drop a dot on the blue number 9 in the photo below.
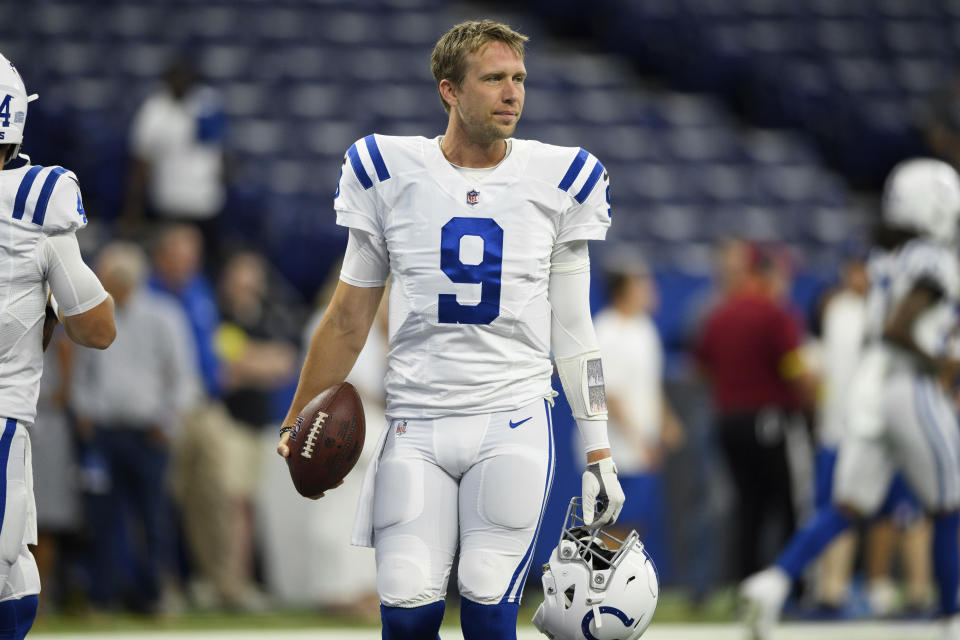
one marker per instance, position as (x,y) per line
(486,273)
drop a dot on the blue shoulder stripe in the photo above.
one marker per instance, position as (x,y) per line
(40,211)
(575,167)
(358,167)
(20,202)
(382,173)
(590,183)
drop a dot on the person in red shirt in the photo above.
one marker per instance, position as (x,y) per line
(748,349)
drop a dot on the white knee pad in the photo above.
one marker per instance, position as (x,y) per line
(484,574)
(403,572)
(862,475)
(398,497)
(15,509)
(512,491)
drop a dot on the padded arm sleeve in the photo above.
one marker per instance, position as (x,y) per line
(574,344)
(366,262)
(75,286)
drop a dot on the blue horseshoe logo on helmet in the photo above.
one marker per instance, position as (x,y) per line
(621,616)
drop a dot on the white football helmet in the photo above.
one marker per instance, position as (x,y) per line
(923,195)
(13,106)
(596,587)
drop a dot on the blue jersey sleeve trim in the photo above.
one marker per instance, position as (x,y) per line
(590,183)
(20,203)
(358,169)
(381,166)
(40,211)
(575,167)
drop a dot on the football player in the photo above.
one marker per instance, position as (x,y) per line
(899,414)
(484,237)
(40,212)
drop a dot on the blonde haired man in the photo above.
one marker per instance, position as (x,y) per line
(485,240)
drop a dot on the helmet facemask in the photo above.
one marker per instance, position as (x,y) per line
(596,586)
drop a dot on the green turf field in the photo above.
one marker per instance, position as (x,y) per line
(674,620)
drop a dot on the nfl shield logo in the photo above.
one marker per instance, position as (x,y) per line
(473,196)
(401,427)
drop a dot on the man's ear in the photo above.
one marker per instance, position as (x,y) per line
(448,91)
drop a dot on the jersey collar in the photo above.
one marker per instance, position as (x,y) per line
(458,186)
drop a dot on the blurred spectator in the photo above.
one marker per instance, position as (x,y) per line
(177,261)
(749,349)
(201,469)
(256,348)
(177,167)
(731,265)
(55,488)
(128,400)
(643,425)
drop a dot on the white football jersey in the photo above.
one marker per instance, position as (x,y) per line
(469,265)
(34,202)
(893,275)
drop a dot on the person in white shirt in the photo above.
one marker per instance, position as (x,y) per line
(643,425)
(177,170)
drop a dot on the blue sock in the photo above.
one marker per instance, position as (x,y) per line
(807,543)
(488,621)
(17,616)
(946,560)
(415,623)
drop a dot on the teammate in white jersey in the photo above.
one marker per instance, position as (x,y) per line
(40,212)
(899,414)
(485,240)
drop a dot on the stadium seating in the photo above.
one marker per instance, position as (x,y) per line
(302,81)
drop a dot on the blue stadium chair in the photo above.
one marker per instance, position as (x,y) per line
(224,62)
(261,136)
(315,100)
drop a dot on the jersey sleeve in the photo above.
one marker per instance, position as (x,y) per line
(64,211)
(72,282)
(588,183)
(49,198)
(366,262)
(929,266)
(356,201)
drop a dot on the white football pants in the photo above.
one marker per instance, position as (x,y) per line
(18,522)
(478,481)
(918,435)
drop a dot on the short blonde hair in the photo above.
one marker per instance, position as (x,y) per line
(126,261)
(449,58)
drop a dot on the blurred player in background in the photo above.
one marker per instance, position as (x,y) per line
(899,415)
(843,324)
(485,239)
(40,213)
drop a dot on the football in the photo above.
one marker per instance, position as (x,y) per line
(326,440)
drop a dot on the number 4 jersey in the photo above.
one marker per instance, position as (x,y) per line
(469,262)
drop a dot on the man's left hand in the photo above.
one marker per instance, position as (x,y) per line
(602,496)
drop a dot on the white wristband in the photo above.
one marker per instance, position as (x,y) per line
(56,307)
(594,434)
